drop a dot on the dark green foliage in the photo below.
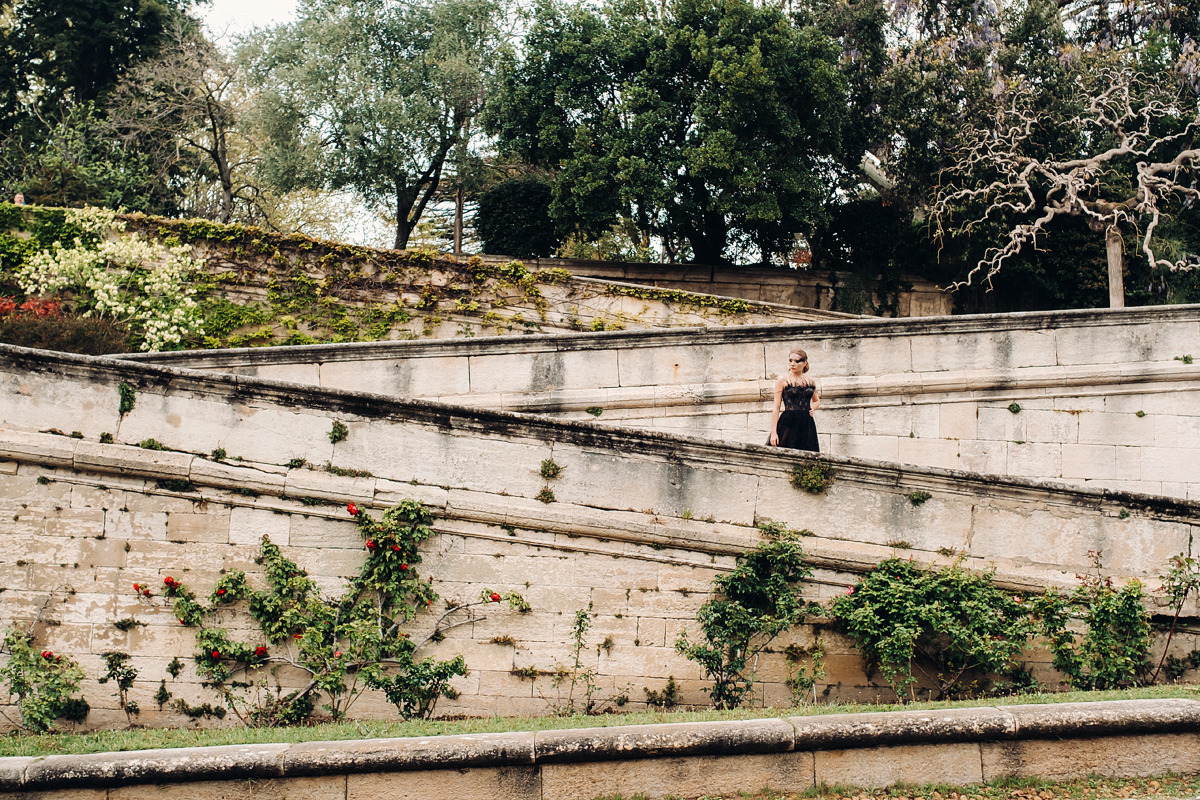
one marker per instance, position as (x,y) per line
(667,698)
(416,686)
(513,219)
(45,684)
(756,602)
(713,125)
(1113,648)
(177,485)
(151,444)
(345,644)
(338,431)
(119,671)
(128,398)
(813,477)
(955,628)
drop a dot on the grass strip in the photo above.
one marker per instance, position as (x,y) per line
(23,744)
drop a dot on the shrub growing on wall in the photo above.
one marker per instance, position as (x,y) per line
(1113,648)
(46,685)
(954,627)
(755,603)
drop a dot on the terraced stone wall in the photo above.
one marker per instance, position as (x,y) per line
(638,525)
(1109,398)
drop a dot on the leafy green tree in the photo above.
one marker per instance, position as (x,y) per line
(714,126)
(513,219)
(373,96)
(68,52)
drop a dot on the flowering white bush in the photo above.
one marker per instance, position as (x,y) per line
(128,279)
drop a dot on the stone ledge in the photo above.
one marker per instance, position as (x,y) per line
(810,331)
(841,733)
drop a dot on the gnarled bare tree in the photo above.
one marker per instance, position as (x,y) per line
(1133,159)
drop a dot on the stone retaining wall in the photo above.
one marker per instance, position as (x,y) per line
(1058,742)
(796,287)
(639,525)
(1104,398)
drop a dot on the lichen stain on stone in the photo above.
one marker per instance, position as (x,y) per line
(174,420)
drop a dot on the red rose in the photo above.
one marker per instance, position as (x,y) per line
(260,652)
(495,598)
(297,636)
(404,566)
(849,590)
(337,653)
(396,548)
(216,654)
(370,544)
(353,509)
(169,581)
(137,588)
(46,654)
(220,592)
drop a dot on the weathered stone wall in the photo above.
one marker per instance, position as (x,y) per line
(795,287)
(640,523)
(1103,398)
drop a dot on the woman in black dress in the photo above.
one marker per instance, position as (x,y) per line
(796,398)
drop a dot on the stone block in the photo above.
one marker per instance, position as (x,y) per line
(929,452)
(986,457)
(211,528)
(891,420)
(324,533)
(542,371)
(75,522)
(237,476)
(881,448)
(1110,756)
(880,767)
(832,420)
(1098,462)
(1000,424)
(1050,426)
(1115,429)
(697,363)
(1032,460)
(1179,464)
(959,421)
(479,783)
(247,526)
(405,377)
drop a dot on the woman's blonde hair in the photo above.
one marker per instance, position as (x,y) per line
(798,352)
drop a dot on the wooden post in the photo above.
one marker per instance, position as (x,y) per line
(1116,278)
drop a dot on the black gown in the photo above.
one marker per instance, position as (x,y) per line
(796,428)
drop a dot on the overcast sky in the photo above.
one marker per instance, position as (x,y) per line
(238,16)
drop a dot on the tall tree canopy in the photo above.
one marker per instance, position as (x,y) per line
(715,125)
(373,96)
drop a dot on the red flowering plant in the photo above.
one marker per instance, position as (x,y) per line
(45,684)
(346,645)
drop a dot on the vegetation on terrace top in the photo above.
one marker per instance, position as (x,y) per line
(249,287)
(813,134)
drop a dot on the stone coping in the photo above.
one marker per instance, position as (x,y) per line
(670,740)
(860,328)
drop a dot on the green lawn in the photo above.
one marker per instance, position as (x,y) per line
(143,739)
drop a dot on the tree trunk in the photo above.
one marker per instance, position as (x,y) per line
(458,220)
(1116,278)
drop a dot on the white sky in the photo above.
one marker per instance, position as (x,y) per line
(238,16)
